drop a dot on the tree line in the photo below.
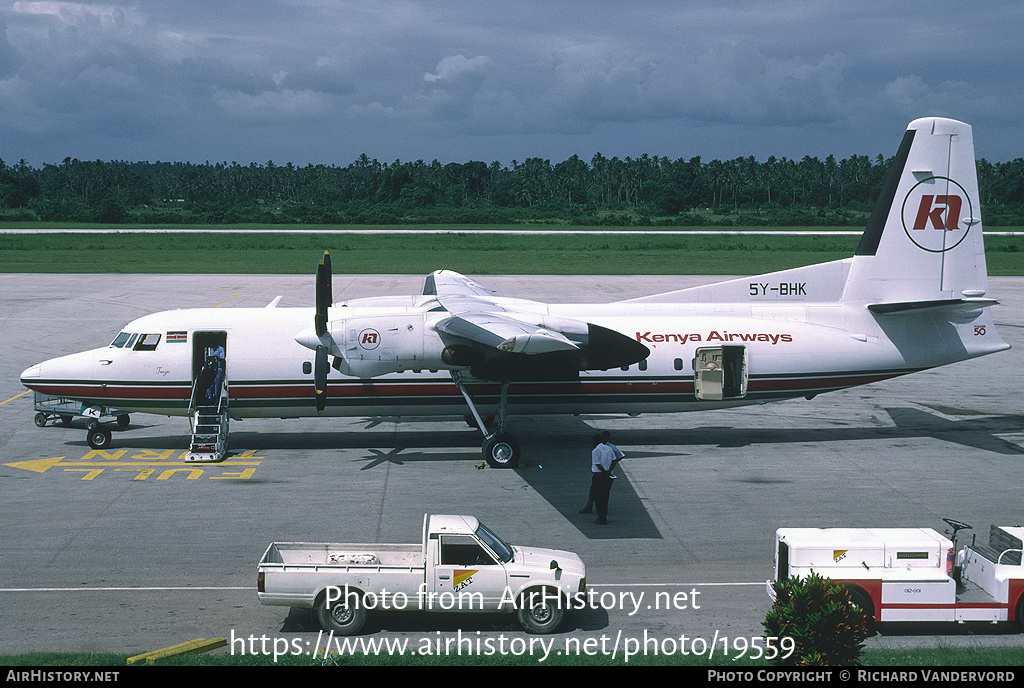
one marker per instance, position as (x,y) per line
(646,190)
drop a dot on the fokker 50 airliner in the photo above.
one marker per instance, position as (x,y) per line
(913,297)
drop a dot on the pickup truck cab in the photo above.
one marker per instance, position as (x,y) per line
(459,566)
(912,574)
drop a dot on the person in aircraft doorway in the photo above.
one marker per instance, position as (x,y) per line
(212,375)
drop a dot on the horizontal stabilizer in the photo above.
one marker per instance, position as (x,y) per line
(967,304)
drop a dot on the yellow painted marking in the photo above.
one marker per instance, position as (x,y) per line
(226,300)
(37,465)
(100,454)
(90,473)
(193,473)
(146,462)
(41,465)
(242,475)
(151,455)
(16,396)
(191,647)
(143,472)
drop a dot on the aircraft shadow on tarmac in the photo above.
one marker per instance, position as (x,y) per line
(557,451)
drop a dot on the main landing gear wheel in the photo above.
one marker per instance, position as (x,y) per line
(98,437)
(501,450)
(124,420)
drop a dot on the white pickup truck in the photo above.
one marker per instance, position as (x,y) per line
(912,574)
(459,566)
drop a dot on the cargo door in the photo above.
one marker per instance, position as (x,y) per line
(720,372)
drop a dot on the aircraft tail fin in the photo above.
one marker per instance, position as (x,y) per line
(923,243)
(922,249)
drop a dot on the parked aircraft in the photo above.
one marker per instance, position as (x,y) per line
(913,297)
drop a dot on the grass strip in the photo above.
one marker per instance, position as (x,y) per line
(642,254)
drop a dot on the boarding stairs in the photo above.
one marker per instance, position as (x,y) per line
(209,421)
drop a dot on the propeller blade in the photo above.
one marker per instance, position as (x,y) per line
(324,293)
(320,371)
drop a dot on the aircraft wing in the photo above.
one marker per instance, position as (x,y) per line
(477,316)
(448,283)
(483,328)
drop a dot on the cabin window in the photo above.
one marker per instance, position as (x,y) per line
(463,550)
(642,365)
(307,367)
(677,364)
(147,342)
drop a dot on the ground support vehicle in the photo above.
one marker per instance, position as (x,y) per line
(51,408)
(912,574)
(460,566)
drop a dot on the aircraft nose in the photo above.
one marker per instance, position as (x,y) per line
(31,374)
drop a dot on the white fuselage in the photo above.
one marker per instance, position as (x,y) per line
(798,349)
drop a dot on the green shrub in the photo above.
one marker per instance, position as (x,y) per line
(819,615)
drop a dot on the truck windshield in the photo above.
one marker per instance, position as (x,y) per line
(496,544)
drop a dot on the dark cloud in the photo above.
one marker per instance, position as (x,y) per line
(323,81)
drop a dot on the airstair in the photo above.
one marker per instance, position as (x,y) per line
(209,420)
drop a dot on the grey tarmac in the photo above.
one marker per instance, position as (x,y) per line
(119,553)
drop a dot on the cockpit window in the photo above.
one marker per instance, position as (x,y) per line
(147,342)
(120,339)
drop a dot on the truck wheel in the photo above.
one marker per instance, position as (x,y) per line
(342,618)
(40,419)
(864,602)
(98,437)
(501,451)
(539,613)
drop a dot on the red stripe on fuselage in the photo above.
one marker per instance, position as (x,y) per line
(378,389)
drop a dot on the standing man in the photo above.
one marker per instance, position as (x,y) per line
(604,438)
(603,461)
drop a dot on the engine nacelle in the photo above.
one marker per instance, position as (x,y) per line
(372,345)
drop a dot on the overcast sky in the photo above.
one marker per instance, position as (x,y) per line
(321,81)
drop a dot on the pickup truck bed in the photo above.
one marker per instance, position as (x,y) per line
(345,554)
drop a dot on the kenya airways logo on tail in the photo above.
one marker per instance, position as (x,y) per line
(937,203)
